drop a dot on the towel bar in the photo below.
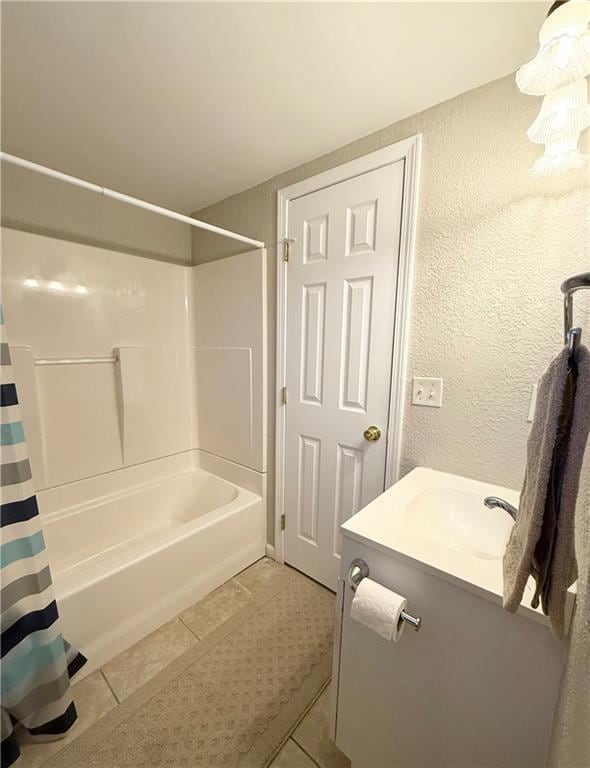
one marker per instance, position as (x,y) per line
(568,288)
(358,571)
(73,360)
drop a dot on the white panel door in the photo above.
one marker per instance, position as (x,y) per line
(341,288)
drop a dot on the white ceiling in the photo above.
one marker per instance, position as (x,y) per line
(183,104)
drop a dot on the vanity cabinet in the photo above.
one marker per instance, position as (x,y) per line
(475,687)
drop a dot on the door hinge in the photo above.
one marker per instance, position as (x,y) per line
(282,522)
(284,395)
(286,249)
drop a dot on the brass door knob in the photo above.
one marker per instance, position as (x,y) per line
(372,433)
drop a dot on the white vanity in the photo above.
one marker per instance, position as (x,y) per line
(475,686)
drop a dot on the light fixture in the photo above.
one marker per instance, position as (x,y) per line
(559,72)
(564,52)
(564,113)
(559,157)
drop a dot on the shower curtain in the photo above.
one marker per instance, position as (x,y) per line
(36,663)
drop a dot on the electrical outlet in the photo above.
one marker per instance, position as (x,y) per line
(427,391)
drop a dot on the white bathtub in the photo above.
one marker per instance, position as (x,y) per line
(152,540)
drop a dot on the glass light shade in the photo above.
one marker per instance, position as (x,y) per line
(564,113)
(564,53)
(571,18)
(559,157)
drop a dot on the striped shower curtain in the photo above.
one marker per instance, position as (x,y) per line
(36,663)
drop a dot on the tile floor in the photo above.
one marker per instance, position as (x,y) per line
(309,745)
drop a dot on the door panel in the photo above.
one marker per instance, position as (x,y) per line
(313,334)
(356,331)
(341,286)
(308,501)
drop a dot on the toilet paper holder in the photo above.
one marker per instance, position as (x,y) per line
(358,571)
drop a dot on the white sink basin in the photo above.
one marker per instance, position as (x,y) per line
(440,521)
(458,519)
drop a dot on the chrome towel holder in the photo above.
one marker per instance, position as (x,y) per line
(358,571)
(572,336)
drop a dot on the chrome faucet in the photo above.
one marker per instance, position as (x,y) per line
(495,501)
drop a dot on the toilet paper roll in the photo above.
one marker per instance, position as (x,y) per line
(379,609)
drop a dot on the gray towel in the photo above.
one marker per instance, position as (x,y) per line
(555,451)
(545,548)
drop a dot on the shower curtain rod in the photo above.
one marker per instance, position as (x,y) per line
(106,192)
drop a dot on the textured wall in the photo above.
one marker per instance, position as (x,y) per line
(493,246)
(44,206)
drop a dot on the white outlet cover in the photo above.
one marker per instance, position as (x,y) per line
(427,391)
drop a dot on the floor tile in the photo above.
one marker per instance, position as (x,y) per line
(312,735)
(93,699)
(134,667)
(291,756)
(260,575)
(217,607)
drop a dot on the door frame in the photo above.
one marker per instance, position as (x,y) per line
(408,150)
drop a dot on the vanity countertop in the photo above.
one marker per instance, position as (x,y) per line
(439,521)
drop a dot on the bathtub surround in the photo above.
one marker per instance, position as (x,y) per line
(165,328)
(485,229)
(37,663)
(232,698)
(173,461)
(229,335)
(69,301)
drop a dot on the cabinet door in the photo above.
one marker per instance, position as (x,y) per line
(474,687)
